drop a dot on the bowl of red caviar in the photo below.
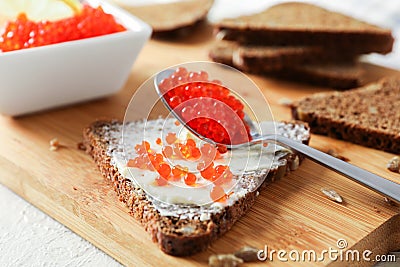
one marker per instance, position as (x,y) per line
(48,64)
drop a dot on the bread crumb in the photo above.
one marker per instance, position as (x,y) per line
(377,210)
(224,260)
(81,146)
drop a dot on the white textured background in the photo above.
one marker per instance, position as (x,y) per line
(28,237)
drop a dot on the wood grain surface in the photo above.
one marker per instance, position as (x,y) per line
(289,214)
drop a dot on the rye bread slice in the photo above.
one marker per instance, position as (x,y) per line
(341,76)
(369,115)
(170,16)
(178,229)
(296,23)
(274,58)
(292,63)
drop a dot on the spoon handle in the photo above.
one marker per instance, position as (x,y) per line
(372,181)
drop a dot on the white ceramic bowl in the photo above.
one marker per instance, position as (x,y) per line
(40,78)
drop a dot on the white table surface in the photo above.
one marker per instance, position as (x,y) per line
(28,237)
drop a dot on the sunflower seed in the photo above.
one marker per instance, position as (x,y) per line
(54,144)
(247,254)
(332,194)
(224,260)
(295,163)
(390,202)
(394,164)
(333,153)
(284,101)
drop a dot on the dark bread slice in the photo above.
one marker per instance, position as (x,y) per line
(369,115)
(184,234)
(273,58)
(340,76)
(223,52)
(170,16)
(306,24)
(276,62)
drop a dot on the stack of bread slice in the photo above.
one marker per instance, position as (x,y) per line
(300,41)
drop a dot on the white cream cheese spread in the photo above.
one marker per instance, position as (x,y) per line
(239,161)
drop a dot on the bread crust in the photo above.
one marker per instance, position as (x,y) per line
(167,231)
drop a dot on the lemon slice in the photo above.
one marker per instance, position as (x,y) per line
(75,5)
(39,9)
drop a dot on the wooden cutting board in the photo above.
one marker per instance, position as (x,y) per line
(290,214)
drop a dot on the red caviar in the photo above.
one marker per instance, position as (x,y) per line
(212,111)
(170,138)
(190,179)
(218,194)
(168,151)
(158,141)
(90,22)
(164,170)
(179,171)
(208,172)
(205,155)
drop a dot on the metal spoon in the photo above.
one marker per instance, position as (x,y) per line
(370,180)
